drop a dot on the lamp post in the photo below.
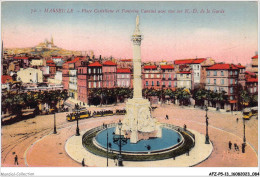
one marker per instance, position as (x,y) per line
(77,117)
(106,126)
(207,124)
(54,129)
(120,140)
(244,139)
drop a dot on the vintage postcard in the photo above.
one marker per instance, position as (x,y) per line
(129,84)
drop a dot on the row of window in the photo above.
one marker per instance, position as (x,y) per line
(215,73)
(109,69)
(123,84)
(158,83)
(95,85)
(158,76)
(108,77)
(184,75)
(123,76)
(222,81)
(196,67)
(106,84)
(184,83)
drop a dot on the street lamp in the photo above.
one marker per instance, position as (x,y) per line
(244,139)
(120,140)
(54,129)
(77,117)
(105,125)
(207,124)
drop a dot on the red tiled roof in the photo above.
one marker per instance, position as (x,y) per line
(123,70)
(250,73)
(189,61)
(184,72)
(150,67)
(49,61)
(95,64)
(252,80)
(5,78)
(222,66)
(256,56)
(21,58)
(240,66)
(109,63)
(167,67)
(74,61)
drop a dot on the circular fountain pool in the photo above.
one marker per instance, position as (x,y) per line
(169,139)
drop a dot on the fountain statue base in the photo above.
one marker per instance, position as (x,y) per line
(138,123)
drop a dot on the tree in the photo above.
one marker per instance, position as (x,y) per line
(183,95)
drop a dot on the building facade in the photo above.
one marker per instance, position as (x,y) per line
(124,77)
(151,77)
(30,75)
(224,77)
(255,64)
(167,75)
(109,74)
(195,65)
(184,79)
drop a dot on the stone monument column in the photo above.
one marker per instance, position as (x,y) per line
(137,38)
(138,121)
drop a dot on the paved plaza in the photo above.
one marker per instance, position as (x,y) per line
(35,144)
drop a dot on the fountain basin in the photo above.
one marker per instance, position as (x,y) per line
(169,140)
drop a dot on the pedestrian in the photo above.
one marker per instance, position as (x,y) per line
(243,147)
(173,157)
(166,117)
(16,160)
(235,146)
(83,163)
(229,145)
(237,120)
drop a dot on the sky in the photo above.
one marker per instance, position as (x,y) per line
(171,32)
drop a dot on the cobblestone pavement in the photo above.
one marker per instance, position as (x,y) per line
(32,140)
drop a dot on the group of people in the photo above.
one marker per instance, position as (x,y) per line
(236,147)
(123,111)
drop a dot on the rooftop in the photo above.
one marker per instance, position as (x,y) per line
(6,78)
(74,60)
(123,70)
(189,61)
(150,67)
(252,80)
(95,64)
(21,58)
(167,67)
(256,56)
(109,63)
(223,66)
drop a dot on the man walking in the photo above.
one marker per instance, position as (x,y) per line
(83,163)
(16,160)
(230,145)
